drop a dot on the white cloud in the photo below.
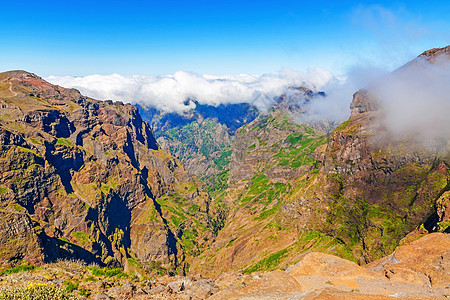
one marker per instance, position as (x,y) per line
(169,92)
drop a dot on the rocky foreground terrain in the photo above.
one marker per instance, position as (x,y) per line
(281,207)
(418,270)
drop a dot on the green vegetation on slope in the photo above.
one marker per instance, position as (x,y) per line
(208,144)
(17,269)
(276,141)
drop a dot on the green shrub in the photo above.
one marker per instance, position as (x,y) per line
(71,286)
(107,272)
(89,278)
(83,292)
(268,263)
(17,269)
(3,190)
(64,142)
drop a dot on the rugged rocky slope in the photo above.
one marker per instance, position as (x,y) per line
(419,270)
(81,178)
(382,185)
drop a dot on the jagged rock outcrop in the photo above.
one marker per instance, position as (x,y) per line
(18,238)
(81,178)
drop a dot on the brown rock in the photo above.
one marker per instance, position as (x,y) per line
(362,102)
(321,271)
(424,262)
(18,240)
(273,285)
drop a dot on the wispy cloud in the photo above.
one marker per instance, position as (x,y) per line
(336,105)
(391,35)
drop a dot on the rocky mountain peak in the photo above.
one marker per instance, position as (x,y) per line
(363,101)
(432,54)
(19,74)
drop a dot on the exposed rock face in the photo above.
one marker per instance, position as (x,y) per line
(363,102)
(425,261)
(82,178)
(18,238)
(274,285)
(433,54)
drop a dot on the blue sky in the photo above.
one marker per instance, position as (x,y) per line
(79,38)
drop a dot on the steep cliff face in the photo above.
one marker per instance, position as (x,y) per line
(382,185)
(86,179)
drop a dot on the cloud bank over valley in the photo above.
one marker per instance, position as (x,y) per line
(169,92)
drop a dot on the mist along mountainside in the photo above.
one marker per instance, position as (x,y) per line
(87,179)
(81,178)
